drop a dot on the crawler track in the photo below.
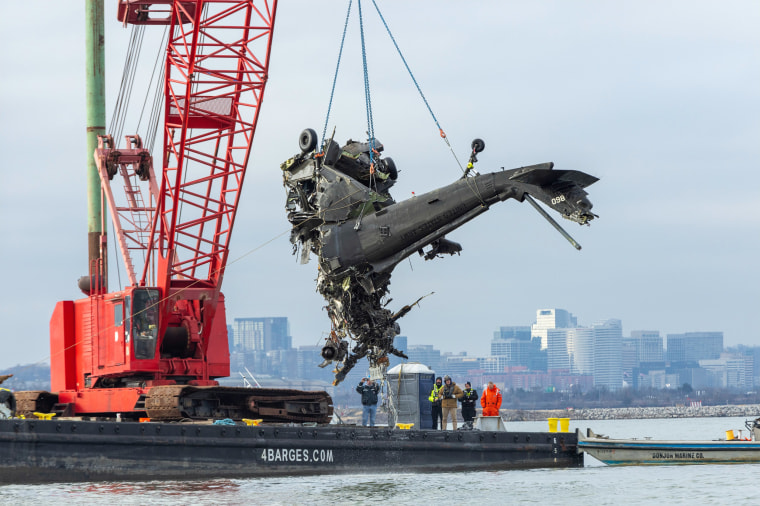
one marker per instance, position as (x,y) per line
(175,402)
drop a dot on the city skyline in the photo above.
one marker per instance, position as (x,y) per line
(572,317)
(487,344)
(576,357)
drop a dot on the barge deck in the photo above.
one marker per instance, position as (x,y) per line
(38,451)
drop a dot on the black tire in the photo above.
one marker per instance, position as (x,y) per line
(307,141)
(390,166)
(478,145)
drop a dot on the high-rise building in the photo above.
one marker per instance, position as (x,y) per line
(630,361)
(262,334)
(593,351)
(558,358)
(427,355)
(753,362)
(551,319)
(581,344)
(521,333)
(514,347)
(729,371)
(648,344)
(492,365)
(458,367)
(694,346)
(608,348)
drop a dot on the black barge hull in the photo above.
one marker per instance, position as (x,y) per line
(34,451)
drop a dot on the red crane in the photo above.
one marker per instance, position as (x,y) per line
(157,346)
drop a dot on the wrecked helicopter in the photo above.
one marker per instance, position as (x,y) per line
(340,207)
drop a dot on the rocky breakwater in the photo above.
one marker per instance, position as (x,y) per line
(748,410)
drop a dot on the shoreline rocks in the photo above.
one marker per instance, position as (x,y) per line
(354,415)
(748,410)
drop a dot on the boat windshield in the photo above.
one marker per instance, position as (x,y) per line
(145,322)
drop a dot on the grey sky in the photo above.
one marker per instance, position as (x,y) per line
(658,99)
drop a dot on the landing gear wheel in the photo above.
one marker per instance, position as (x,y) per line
(307,141)
(391,168)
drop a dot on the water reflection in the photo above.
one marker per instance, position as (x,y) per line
(159,487)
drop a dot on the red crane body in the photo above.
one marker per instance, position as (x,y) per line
(169,326)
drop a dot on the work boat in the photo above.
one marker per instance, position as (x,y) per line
(734,449)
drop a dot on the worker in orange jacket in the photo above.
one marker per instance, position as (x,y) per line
(490,401)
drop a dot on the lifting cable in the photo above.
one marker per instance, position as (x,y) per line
(155,110)
(419,90)
(127,82)
(118,117)
(367,94)
(370,119)
(367,97)
(368,102)
(335,78)
(472,186)
(123,98)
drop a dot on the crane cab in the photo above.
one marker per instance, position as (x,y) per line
(107,350)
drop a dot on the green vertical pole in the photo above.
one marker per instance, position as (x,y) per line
(96,125)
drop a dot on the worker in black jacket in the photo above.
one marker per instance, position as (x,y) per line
(470,395)
(369,390)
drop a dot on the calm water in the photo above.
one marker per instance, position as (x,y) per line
(592,485)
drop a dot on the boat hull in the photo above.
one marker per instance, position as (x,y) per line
(669,452)
(50,451)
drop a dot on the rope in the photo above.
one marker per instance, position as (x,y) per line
(370,119)
(337,67)
(472,187)
(153,124)
(416,84)
(367,95)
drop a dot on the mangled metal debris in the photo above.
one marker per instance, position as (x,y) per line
(340,207)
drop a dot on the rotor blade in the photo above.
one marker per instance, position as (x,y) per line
(551,220)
